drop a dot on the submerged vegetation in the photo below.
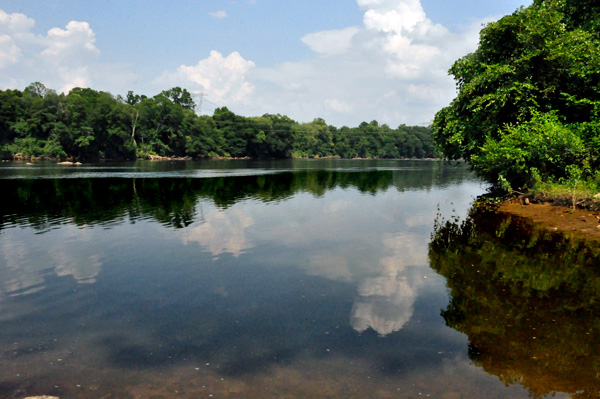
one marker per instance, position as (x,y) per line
(86,124)
(527,113)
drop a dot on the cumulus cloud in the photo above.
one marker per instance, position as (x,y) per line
(76,40)
(14,24)
(14,28)
(338,105)
(62,58)
(398,50)
(224,78)
(10,53)
(393,68)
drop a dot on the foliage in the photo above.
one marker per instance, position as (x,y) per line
(87,124)
(535,69)
(539,148)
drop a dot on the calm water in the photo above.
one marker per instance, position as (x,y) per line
(288,279)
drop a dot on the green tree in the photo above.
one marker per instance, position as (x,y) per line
(181,97)
(543,58)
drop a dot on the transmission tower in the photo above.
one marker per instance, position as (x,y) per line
(200,96)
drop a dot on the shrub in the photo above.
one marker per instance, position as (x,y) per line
(524,153)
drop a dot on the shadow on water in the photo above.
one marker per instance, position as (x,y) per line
(528,300)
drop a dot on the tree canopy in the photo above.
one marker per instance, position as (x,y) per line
(87,124)
(528,101)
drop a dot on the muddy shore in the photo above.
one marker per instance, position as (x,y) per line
(555,216)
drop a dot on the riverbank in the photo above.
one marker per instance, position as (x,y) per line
(556,214)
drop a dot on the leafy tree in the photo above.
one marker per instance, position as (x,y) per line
(133,99)
(232,128)
(181,97)
(204,139)
(534,149)
(281,137)
(541,59)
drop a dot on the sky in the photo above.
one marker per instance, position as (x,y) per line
(346,61)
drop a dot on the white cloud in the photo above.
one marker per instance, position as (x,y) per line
(392,16)
(10,53)
(11,24)
(76,40)
(13,28)
(338,105)
(218,14)
(224,78)
(331,42)
(392,69)
(397,50)
(63,58)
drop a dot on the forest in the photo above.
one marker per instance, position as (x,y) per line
(86,124)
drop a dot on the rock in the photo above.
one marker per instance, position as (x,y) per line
(526,201)
(42,397)
(597,196)
(64,163)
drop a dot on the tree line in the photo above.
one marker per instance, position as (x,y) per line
(86,124)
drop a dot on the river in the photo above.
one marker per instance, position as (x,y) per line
(284,279)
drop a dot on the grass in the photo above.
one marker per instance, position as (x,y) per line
(576,191)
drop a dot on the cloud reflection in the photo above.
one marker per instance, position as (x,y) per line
(385,303)
(222,232)
(22,268)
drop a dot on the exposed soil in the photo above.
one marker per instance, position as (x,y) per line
(581,222)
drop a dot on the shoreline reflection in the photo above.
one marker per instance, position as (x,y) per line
(526,298)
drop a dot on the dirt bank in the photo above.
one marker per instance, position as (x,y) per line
(583,223)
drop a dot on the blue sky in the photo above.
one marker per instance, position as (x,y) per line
(344,60)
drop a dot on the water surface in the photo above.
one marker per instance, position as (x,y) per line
(240,279)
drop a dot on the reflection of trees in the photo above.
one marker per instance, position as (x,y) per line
(527,299)
(44,202)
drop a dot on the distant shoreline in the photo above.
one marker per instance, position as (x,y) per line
(179,159)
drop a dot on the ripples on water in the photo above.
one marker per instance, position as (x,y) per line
(233,279)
